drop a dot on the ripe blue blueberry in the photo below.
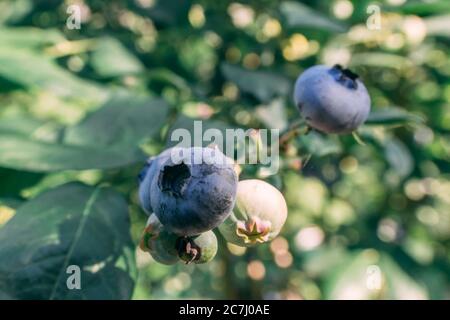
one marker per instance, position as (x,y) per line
(147,174)
(191,190)
(332,100)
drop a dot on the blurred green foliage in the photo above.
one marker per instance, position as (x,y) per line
(81,109)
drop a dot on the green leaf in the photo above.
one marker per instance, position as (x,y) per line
(273,115)
(170,12)
(123,122)
(396,152)
(439,25)
(380,60)
(192,135)
(107,138)
(392,116)
(23,124)
(299,15)
(39,72)
(26,153)
(28,126)
(261,84)
(29,38)
(323,260)
(14,11)
(168,76)
(423,8)
(371,275)
(399,157)
(112,59)
(73,224)
(320,145)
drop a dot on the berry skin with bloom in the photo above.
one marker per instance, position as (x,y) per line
(152,167)
(191,190)
(332,100)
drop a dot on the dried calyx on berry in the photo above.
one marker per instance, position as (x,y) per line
(198,249)
(168,248)
(345,76)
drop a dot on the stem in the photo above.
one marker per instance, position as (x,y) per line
(358,139)
(297,128)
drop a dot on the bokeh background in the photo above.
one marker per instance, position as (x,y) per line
(367,219)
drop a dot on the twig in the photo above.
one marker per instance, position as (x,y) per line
(358,139)
(297,128)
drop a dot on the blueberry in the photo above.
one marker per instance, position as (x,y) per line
(168,248)
(160,243)
(332,100)
(258,216)
(191,191)
(198,249)
(147,174)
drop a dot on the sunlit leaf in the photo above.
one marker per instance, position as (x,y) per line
(25,153)
(12,12)
(29,38)
(111,59)
(187,132)
(34,71)
(23,124)
(300,15)
(439,25)
(168,76)
(71,225)
(124,121)
(392,116)
(399,157)
(107,138)
(371,275)
(273,115)
(261,84)
(380,59)
(423,8)
(320,145)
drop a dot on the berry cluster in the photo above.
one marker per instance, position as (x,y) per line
(188,192)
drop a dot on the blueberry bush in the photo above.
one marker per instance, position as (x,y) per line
(90,89)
